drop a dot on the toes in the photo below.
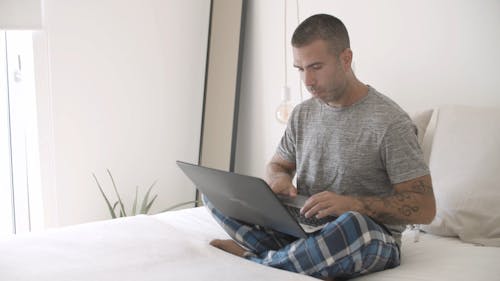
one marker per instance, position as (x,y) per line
(216,243)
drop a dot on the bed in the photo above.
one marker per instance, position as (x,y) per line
(462,243)
(174,246)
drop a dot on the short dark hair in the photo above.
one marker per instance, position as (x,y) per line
(324,27)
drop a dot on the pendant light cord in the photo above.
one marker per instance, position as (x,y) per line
(298,22)
(285,43)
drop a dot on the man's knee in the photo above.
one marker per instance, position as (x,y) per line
(351,215)
(371,248)
(346,219)
(354,225)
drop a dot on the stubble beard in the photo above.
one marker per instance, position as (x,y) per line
(331,97)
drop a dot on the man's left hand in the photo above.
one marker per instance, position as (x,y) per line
(325,204)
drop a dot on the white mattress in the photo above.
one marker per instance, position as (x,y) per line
(174,246)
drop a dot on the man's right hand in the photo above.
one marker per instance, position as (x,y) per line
(279,175)
(282,184)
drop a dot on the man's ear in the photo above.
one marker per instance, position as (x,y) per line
(346,59)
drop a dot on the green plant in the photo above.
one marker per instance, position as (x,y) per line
(145,205)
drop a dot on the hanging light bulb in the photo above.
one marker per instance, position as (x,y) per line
(285,108)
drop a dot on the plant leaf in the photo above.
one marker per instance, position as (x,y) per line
(145,199)
(114,206)
(111,210)
(117,195)
(134,208)
(150,204)
(180,204)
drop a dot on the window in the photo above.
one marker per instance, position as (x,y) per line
(20,198)
(6,210)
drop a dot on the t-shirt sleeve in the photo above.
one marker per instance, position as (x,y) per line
(401,153)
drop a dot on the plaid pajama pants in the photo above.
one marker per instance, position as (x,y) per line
(350,246)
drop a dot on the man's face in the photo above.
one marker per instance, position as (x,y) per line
(321,71)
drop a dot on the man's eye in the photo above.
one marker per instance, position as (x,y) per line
(316,67)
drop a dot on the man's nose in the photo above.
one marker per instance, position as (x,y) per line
(309,79)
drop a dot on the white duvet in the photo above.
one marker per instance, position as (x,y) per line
(174,246)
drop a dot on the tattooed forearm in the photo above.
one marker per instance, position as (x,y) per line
(404,206)
(421,187)
(391,210)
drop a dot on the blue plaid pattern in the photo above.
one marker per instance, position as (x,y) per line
(350,246)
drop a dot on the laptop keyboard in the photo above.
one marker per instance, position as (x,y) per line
(313,221)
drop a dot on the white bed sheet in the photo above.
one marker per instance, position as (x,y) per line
(442,258)
(174,246)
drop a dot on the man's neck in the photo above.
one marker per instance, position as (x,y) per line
(354,92)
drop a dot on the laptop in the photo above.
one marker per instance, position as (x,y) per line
(251,200)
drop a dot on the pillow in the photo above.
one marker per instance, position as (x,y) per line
(465,170)
(421,120)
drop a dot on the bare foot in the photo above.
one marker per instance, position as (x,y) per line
(229,246)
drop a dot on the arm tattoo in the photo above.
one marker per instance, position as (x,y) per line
(398,207)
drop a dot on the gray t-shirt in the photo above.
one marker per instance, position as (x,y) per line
(359,150)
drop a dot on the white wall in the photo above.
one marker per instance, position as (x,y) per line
(422,54)
(120,86)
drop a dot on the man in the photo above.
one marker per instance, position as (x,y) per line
(355,153)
